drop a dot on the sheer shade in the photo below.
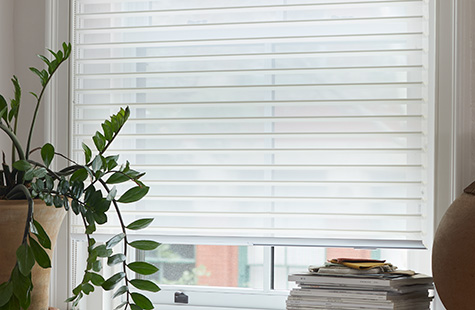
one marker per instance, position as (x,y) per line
(283,121)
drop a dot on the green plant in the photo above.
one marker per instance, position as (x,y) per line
(87,189)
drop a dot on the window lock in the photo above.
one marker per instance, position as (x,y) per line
(181,298)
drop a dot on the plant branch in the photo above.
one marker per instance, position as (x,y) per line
(112,140)
(20,188)
(50,172)
(14,140)
(122,225)
(38,102)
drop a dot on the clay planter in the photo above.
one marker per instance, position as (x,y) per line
(454,253)
(13,215)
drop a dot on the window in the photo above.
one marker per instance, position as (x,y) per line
(264,124)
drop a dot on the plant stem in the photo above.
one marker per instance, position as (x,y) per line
(122,225)
(22,188)
(14,140)
(38,101)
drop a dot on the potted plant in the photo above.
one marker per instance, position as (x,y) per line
(87,189)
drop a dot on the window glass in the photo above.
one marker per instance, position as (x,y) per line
(207,265)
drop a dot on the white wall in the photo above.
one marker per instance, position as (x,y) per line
(22,37)
(29,25)
(6,56)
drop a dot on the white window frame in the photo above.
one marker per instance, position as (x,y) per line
(453,122)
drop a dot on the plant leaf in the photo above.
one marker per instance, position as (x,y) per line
(87,288)
(146,245)
(6,292)
(25,259)
(111,195)
(117,177)
(114,240)
(110,283)
(47,154)
(140,224)
(42,235)
(102,251)
(96,279)
(40,254)
(145,285)
(142,268)
(99,141)
(116,259)
(134,194)
(97,266)
(142,301)
(79,175)
(3,108)
(21,285)
(120,306)
(21,165)
(120,291)
(96,163)
(135,307)
(87,152)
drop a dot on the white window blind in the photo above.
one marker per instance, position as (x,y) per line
(263,121)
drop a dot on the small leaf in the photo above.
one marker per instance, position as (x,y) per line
(79,175)
(70,299)
(120,291)
(87,288)
(21,165)
(37,72)
(102,251)
(134,194)
(40,172)
(140,224)
(142,268)
(121,305)
(107,127)
(145,285)
(112,161)
(145,245)
(41,256)
(47,154)
(111,195)
(96,163)
(87,152)
(99,141)
(110,283)
(21,285)
(114,240)
(100,217)
(3,108)
(6,291)
(77,189)
(142,301)
(3,113)
(96,279)
(42,235)
(97,266)
(116,259)
(135,307)
(117,177)
(25,259)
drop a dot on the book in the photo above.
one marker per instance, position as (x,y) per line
(380,280)
(400,290)
(351,304)
(358,294)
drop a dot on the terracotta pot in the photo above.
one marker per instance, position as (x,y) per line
(12,222)
(453,254)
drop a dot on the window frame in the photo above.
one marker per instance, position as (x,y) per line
(451,150)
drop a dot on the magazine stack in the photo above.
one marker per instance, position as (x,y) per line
(357,284)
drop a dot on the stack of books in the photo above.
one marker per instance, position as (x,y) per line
(353,289)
